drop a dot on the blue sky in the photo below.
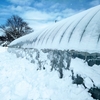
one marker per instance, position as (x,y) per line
(41,13)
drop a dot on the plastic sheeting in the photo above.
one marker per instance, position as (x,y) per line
(78,32)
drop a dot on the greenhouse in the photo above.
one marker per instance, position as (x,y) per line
(79,32)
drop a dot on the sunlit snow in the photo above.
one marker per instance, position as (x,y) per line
(20,80)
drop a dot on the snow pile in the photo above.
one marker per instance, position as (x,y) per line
(20,80)
(80,32)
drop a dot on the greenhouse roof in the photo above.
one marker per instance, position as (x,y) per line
(78,32)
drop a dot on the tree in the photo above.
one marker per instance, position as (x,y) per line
(2,38)
(15,27)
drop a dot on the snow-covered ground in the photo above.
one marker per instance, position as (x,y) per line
(20,80)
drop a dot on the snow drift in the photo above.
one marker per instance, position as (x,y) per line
(55,75)
(20,79)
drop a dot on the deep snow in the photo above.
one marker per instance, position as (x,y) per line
(20,80)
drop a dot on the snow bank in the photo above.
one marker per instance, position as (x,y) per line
(38,81)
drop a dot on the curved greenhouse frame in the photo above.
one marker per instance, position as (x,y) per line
(78,32)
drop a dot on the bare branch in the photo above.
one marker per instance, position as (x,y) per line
(15,27)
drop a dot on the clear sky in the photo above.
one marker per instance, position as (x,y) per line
(41,13)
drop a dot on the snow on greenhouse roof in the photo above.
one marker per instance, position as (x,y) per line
(78,32)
